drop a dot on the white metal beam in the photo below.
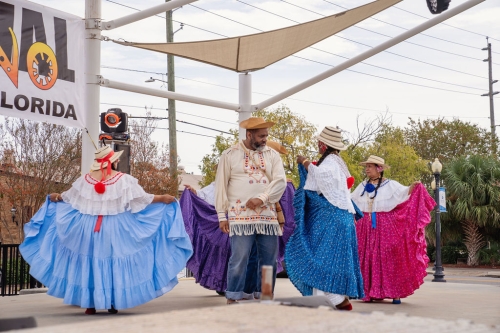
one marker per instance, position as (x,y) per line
(144,14)
(168,94)
(245,100)
(365,55)
(92,70)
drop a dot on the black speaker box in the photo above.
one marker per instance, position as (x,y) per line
(124,165)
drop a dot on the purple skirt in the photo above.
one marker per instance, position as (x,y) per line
(212,247)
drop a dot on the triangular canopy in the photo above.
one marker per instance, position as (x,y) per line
(253,52)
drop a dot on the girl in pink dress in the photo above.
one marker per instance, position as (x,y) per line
(391,235)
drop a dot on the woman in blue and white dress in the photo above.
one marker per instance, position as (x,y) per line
(322,255)
(106,243)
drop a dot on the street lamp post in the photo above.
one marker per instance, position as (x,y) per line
(438,266)
(13,211)
(151,79)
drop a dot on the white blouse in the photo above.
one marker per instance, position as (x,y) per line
(389,195)
(207,193)
(123,193)
(330,179)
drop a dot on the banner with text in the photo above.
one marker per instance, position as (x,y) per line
(42,60)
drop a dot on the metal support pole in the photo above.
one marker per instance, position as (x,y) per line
(367,54)
(167,94)
(490,95)
(245,100)
(438,273)
(172,126)
(92,78)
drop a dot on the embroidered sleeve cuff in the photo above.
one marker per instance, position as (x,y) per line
(222,217)
(264,197)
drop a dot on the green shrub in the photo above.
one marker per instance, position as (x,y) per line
(431,252)
(12,274)
(490,256)
(449,253)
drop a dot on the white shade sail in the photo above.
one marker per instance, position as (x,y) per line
(257,51)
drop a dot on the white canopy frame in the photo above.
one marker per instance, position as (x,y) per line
(244,106)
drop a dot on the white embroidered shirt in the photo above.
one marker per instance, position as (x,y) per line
(244,174)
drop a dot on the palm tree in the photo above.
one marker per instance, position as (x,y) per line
(473,186)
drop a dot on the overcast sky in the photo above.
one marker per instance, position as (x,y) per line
(443,76)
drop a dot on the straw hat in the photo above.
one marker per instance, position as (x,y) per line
(332,137)
(375,160)
(255,123)
(276,146)
(102,153)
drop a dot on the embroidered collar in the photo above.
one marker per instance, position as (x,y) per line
(100,186)
(384,182)
(369,187)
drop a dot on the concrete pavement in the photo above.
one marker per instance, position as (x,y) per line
(448,305)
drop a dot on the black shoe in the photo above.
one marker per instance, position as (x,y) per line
(113,310)
(221,293)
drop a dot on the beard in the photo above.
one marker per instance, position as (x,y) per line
(257,147)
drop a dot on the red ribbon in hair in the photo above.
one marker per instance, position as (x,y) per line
(100,187)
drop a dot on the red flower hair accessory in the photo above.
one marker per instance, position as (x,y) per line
(99,187)
(350,182)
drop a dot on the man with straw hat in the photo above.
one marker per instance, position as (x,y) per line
(106,243)
(391,235)
(250,180)
(212,247)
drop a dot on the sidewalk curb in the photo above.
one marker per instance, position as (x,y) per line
(493,274)
(33,291)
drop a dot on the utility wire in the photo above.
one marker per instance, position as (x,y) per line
(317,48)
(190,114)
(254,92)
(388,69)
(150,72)
(394,80)
(365,63)
(232,88)
(205,127)
(381,34)
(329,52)
(165,128)
(400,27)
(183,122)
(353,41)
(402,113)
(448,25)
(163,17)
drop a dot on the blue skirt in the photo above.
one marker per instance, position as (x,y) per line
(323,252)
(133,259)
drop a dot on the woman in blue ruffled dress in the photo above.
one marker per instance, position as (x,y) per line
(106,243)
(322,255)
